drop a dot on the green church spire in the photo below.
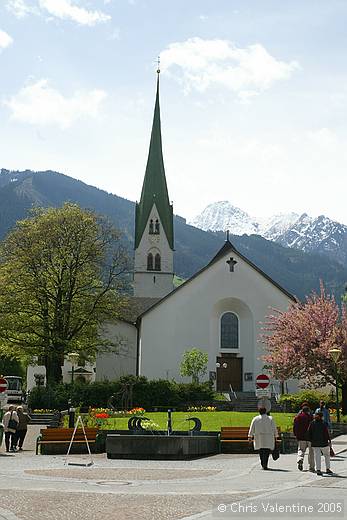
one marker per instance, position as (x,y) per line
(154,189)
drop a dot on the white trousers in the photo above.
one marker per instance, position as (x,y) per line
(302,447)
(318,452)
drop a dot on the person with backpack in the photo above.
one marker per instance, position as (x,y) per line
(319,436)
(10,421)
(23,421)
(300,429)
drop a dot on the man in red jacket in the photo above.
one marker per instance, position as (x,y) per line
(301,424)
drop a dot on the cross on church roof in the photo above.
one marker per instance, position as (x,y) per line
(231,262)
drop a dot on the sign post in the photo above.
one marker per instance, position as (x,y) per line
(263,391)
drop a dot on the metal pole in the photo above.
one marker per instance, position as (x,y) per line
(169,422)
(337,397)
(72,373)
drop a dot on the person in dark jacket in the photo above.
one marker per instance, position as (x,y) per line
(318,434)
(300,428)
(22,428)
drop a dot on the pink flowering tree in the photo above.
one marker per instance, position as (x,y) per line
(298,342)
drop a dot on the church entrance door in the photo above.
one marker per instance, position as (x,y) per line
(229,374)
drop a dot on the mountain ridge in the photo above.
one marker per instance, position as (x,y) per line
(296,271)
(310,234)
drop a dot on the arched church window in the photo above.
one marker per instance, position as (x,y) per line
(149,262)
(157,262)
(151,227)
(157,227)
(229,336)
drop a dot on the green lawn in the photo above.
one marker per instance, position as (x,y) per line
(211,421)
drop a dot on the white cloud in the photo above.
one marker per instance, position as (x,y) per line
(20,8)
(40,104)
(200,64)
(5,40)
(66,10)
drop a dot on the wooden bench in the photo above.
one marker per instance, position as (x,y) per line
(238,435)
(49,436)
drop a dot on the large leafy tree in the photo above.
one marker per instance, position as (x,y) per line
(61,276)
(299,342)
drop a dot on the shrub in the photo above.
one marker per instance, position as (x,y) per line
(292,402)
(145,394)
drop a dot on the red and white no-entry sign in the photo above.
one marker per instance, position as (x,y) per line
(3,385)
(262,381)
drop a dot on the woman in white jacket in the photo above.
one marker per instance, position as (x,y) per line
(263,432)
(10,433)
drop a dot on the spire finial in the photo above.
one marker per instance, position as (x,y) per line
(227,240)
(158,64)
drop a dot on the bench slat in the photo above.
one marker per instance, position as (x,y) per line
(66,442)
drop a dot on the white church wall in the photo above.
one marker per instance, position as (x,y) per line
(121,360)
(189,317)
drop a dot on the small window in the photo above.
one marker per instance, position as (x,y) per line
(229,330)
(157,227)
(157,262)
(149,262)
(151,227)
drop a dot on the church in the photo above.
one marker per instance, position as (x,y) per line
(219,310)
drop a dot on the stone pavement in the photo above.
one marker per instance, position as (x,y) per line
(44,487)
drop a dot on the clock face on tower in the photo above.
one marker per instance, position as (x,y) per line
(154,239)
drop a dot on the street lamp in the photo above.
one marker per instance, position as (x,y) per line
(224,365)
(335,354)
(73,357)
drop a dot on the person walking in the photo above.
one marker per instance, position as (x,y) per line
(10,421)
(318,434)
(326,416)
(263,432)
(300,429)
(22,428)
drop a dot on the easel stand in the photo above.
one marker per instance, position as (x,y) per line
(85,464)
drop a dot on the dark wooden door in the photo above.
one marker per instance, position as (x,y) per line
(231,375)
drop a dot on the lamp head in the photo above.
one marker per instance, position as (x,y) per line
(335,354)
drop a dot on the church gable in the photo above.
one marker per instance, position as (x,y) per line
(234,275)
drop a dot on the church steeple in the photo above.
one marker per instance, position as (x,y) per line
(154,189)
(154,238)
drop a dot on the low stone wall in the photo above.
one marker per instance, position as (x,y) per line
(289,443)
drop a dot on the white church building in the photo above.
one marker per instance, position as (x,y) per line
(219,310)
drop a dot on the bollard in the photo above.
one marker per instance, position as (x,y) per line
(71,416)
(169,423)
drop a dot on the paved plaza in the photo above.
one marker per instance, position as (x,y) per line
(46,488)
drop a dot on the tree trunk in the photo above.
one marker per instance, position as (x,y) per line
(344,399)
(53,363)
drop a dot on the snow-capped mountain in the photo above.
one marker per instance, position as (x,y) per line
(221,216)
(309,234)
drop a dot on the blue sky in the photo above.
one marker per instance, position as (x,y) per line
(253,98)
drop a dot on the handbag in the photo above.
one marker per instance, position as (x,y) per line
(12,424)
(276,453)
(332,453)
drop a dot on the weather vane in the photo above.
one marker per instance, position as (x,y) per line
(158,63)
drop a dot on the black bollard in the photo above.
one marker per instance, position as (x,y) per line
(71,416)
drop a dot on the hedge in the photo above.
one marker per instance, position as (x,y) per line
(292,402)
(146,394)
